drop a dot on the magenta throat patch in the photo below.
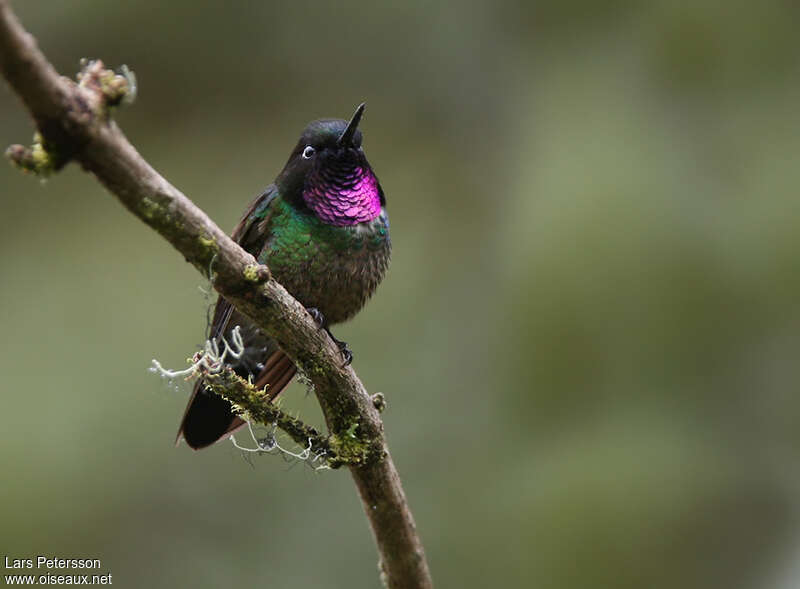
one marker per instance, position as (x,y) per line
(343,199)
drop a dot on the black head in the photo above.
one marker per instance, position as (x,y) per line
(327,145)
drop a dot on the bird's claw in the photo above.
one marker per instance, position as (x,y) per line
(347,354)
(317,315)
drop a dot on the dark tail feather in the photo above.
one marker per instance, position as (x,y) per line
(208,418)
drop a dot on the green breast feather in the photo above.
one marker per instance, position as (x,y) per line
(334,269)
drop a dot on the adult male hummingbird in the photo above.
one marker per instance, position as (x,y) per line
(322,230)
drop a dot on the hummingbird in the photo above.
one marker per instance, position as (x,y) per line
(323,231)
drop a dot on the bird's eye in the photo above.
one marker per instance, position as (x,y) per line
(308,152)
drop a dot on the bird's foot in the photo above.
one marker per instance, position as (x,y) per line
(317,315)
(347,354)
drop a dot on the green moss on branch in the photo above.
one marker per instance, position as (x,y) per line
(40,159)
(256,405)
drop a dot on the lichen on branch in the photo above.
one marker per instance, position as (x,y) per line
(97,91)
(255,405)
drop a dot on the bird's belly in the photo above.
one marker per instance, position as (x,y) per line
(336,276)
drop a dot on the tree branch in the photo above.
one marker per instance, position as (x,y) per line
(255,403)
(74,124)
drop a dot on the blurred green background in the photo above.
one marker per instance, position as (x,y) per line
(588,337)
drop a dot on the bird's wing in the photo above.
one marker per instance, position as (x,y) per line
(209,417)
(247,234)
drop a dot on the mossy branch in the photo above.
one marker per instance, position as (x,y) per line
(346,448)
(74,124)
(255,405)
